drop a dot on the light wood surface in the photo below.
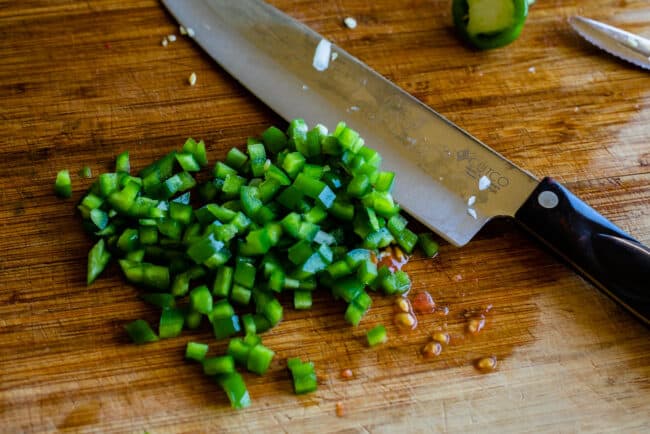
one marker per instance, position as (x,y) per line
(82,81)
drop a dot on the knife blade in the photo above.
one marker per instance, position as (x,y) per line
(624,45)
(447,179)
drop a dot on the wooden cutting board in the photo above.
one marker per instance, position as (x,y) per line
(81,82)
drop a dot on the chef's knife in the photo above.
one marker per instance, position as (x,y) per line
(624,45)
(447,179)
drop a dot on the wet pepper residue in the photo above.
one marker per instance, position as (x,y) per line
(392,257)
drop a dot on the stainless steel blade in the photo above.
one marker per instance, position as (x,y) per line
(624,45)
(438,165)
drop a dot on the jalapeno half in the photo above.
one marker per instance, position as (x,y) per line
(487,24)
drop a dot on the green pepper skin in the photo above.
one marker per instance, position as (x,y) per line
(460,11)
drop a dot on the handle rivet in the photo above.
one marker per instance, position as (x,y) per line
(548,199)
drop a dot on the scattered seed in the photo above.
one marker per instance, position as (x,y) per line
(334,55)
(182,30)
(399,254)
(350,22)
(190,32)
(487,363)
(171,38)
(472,212)
(164,42)
(402,304)
(471,201)
(192,79)
(340,410)
(475,325)
(441,337)
(432,349)
(347,373)
(405,319)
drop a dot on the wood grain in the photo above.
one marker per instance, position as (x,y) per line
(82,81)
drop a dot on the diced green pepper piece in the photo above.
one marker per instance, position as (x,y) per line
(407,240)
(85,172)
(257,155)
(293,164)
(359,185)
(396,224)
(272,311)
(197,149)
(353,314)
(140,332)
(302,300)
(122,163)
(99,218)
(305,384)
(250,201)
(377,336)
(222,170)
(219,365)
(274,139)
(315,189)
(367,271)
(348,288)
(187,162)
(274,173)
(236,158)
(171,323)
(342,210)
(249,324)
(223,281)
(297,132)
(339,269)
(108,183)
(239,350)
(356,256)
(201,299)
(98,258)
(259,359)
(180,212)
(129,240)
(224,327)
(205,248)
(245,274)
(262,324)
(196,351)
(235,388)
(385,181)
(63,184)
(136,255)
(240,294)
(300,252)
(122,200)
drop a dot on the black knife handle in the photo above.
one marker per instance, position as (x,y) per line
(613,260)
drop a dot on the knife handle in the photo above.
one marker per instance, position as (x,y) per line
(615,262)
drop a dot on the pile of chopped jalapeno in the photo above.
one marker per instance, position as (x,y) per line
(297,212)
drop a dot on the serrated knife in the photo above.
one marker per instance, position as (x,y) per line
(447,179)
(617,42)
